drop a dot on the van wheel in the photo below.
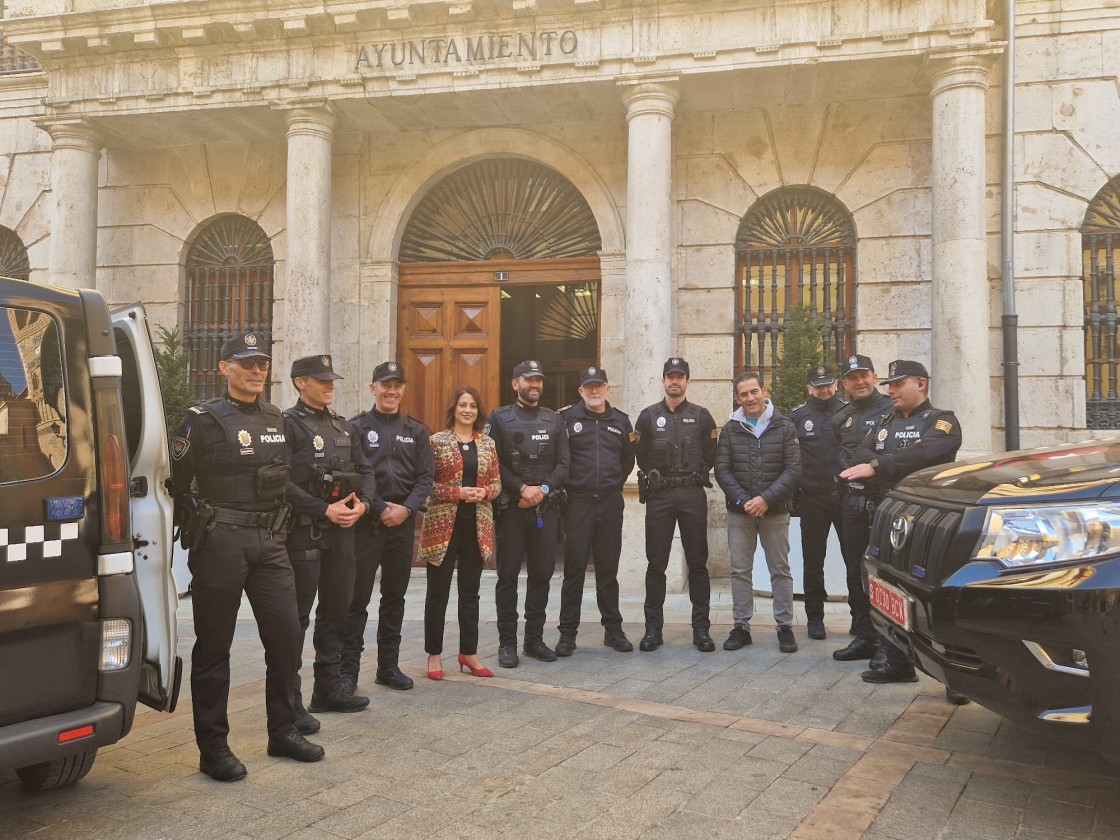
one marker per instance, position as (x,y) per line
(57,773)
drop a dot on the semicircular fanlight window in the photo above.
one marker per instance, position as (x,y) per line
(573,313)
(228,242)
(798,217)
(500,209)
(13,256)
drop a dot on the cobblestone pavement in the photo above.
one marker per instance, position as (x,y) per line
(672,744)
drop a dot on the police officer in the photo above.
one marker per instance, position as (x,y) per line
(532,445)
(235,447)
(866,404)
(912,436)
(601,441)
(676,449)
(330,489)
(817,502)
(399,449)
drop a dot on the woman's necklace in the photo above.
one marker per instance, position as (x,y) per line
(465,444)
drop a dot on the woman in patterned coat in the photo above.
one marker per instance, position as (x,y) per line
(459,526)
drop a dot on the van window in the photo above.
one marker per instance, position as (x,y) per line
(33,434)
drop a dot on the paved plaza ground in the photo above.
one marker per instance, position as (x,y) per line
(671,744)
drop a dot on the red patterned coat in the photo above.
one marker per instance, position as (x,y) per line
(439,519)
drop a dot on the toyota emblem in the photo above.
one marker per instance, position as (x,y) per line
(900,531)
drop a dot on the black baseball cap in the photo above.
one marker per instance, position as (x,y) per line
(820,375)
(244,345)
(675,365)
(592,374)
(529,367)
(317,367)
(856,362)
(901,368)
(388,370)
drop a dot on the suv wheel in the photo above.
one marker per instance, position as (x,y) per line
(57,773)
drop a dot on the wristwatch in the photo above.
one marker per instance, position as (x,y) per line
(874,464)
(544,489)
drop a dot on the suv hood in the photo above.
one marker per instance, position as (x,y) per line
(1070,473)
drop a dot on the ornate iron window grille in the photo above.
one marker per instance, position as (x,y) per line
(503,208)
(1100,241)
(796,245)
(229,272)
(13,255)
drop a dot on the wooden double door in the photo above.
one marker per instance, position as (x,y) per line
(469,323)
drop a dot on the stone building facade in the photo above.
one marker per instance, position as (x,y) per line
(672,177)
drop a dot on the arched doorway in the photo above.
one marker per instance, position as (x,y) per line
(1100,252)
(498,263)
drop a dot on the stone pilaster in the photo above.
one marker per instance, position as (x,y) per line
(961,363)
(75,155)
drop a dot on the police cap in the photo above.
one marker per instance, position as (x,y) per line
(388,370)
(592,374)
(244,345)
(528,368)
(856,362)
(317,367)
(675,365)
(820,375)
(901,368)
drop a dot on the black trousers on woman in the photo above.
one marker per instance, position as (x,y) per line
(463,548)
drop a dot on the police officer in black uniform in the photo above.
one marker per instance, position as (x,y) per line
(866,404)
(817,502)
(912,436)
(676,450)
(532,445)
(235,447)
(399,448)
(601,441)
(330,489)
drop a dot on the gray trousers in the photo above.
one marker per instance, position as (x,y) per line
(743,533)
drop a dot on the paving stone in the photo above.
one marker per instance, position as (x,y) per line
(982,821)
(1061,818)
(1011,793)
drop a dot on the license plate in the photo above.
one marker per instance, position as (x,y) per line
(890,601)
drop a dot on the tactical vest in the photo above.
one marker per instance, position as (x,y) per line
(250,471)
(894,433)
(321,465)
(677,446)
(853,422)
(529,443)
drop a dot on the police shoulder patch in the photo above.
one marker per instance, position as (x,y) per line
(943,426)
(633,437)
(179,447)
(715,434)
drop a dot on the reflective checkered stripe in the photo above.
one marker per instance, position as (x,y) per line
(35,542)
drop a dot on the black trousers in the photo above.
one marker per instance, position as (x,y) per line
(389,549)
(520,541)
(856,534)
(463,551)
(238,559)
(818,515)
(665,510)
(323,563)
(593,529)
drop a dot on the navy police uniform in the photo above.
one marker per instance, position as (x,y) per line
(399,449)
(602,448)
(328,464)
(532,446)
(676,450)
(818,504)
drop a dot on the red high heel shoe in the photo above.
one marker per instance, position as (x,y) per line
(436,675)
(464,665)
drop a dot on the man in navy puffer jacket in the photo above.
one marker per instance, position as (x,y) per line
(758,466)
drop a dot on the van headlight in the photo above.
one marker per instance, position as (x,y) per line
(116,643)
(1037,536)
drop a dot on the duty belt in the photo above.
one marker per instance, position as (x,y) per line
(680,481)
(591,497)
(254,519)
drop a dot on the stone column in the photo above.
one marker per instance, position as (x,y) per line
(648,304)
(961,364)
(75,155)
(307,328)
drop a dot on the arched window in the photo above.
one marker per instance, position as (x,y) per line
(229,289)
(1100,244)
(797,245)
(13,256)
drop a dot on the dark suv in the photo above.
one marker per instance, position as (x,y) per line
(1002,577)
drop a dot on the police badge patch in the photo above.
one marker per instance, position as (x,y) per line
(244,438)
(179,447)
(808,425)
(577,427)
(661,422)
(372,437)
(318,443)
(882,434)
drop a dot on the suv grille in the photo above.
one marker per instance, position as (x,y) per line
(931,533)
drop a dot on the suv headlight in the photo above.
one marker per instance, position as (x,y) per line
(1036,536)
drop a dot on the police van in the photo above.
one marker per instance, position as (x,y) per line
(87,598)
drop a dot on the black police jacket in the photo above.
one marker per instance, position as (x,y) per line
(601,447)
(898,446)
(532,446)
(676,443)
(768,465)
(236,450)
(820,451)
(323,438)
(400,451)
(850,425)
